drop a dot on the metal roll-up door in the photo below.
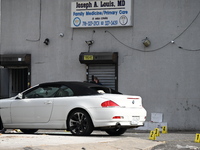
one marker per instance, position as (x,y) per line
(106,73)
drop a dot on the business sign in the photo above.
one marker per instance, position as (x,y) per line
(112,13)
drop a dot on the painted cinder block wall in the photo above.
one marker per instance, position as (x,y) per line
(166,76)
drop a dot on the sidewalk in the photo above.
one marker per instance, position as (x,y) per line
(131,140)
(65,141)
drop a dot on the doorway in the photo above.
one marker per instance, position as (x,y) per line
(13,81)
(15,75)
(4,83)
(19,80)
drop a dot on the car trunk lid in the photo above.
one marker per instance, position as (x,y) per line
(125,100)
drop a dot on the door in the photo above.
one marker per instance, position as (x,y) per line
(4,83)
(19,80)
(37,110)
(35,106)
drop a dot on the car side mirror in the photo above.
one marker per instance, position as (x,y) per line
(19,96)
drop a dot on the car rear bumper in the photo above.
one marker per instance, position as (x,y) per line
(125,117)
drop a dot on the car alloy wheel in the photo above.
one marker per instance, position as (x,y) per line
(79,123)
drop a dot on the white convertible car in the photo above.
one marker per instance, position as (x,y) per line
(78,107)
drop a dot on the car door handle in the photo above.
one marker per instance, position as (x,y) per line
(48,102)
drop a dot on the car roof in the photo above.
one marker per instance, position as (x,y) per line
(80,87)
(77,83)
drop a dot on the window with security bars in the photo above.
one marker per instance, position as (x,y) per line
(106,73)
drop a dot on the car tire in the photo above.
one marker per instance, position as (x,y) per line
(79,123)
(116,132)
(29,131)
(2,130)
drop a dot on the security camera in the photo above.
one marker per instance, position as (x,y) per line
(172,42)
(61,35)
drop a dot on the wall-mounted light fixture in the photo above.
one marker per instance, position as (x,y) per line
(61,34)
(46,41)
(146,42)
(89,43)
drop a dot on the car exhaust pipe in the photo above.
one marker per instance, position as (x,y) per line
(118,125)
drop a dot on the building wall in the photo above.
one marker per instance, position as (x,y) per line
(166,76)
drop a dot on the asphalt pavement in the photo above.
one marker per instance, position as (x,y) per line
(173,140)
(98,140)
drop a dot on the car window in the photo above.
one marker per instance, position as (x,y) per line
(41,92)
(64,91)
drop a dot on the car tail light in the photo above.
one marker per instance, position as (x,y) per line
(118,117)
(109,104)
